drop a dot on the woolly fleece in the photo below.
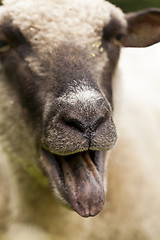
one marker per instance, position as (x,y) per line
(44,21)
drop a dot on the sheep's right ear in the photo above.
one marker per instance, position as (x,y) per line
(143,28)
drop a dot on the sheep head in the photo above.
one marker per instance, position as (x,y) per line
(60,57)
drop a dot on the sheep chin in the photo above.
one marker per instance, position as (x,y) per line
(77,180)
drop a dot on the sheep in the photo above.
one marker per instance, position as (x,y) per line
(69,109)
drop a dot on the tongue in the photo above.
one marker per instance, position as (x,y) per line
(83,184)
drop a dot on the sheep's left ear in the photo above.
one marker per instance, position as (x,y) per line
(143,28)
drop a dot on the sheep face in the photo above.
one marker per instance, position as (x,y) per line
(61,67)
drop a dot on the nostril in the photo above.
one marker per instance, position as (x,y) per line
(91,129)
(75,123)
(99,121)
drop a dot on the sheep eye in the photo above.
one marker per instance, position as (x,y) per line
(119,37)
(4,46)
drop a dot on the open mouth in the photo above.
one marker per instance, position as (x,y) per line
(78,179)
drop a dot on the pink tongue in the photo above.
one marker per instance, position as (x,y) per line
(83,184)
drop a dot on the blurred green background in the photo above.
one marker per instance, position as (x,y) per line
(133,5)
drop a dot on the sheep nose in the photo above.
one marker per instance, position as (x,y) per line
(87,128)
(87,119)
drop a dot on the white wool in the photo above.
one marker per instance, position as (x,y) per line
(42,21)
(50,24)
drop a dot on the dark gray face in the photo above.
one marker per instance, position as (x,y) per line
(71,113)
